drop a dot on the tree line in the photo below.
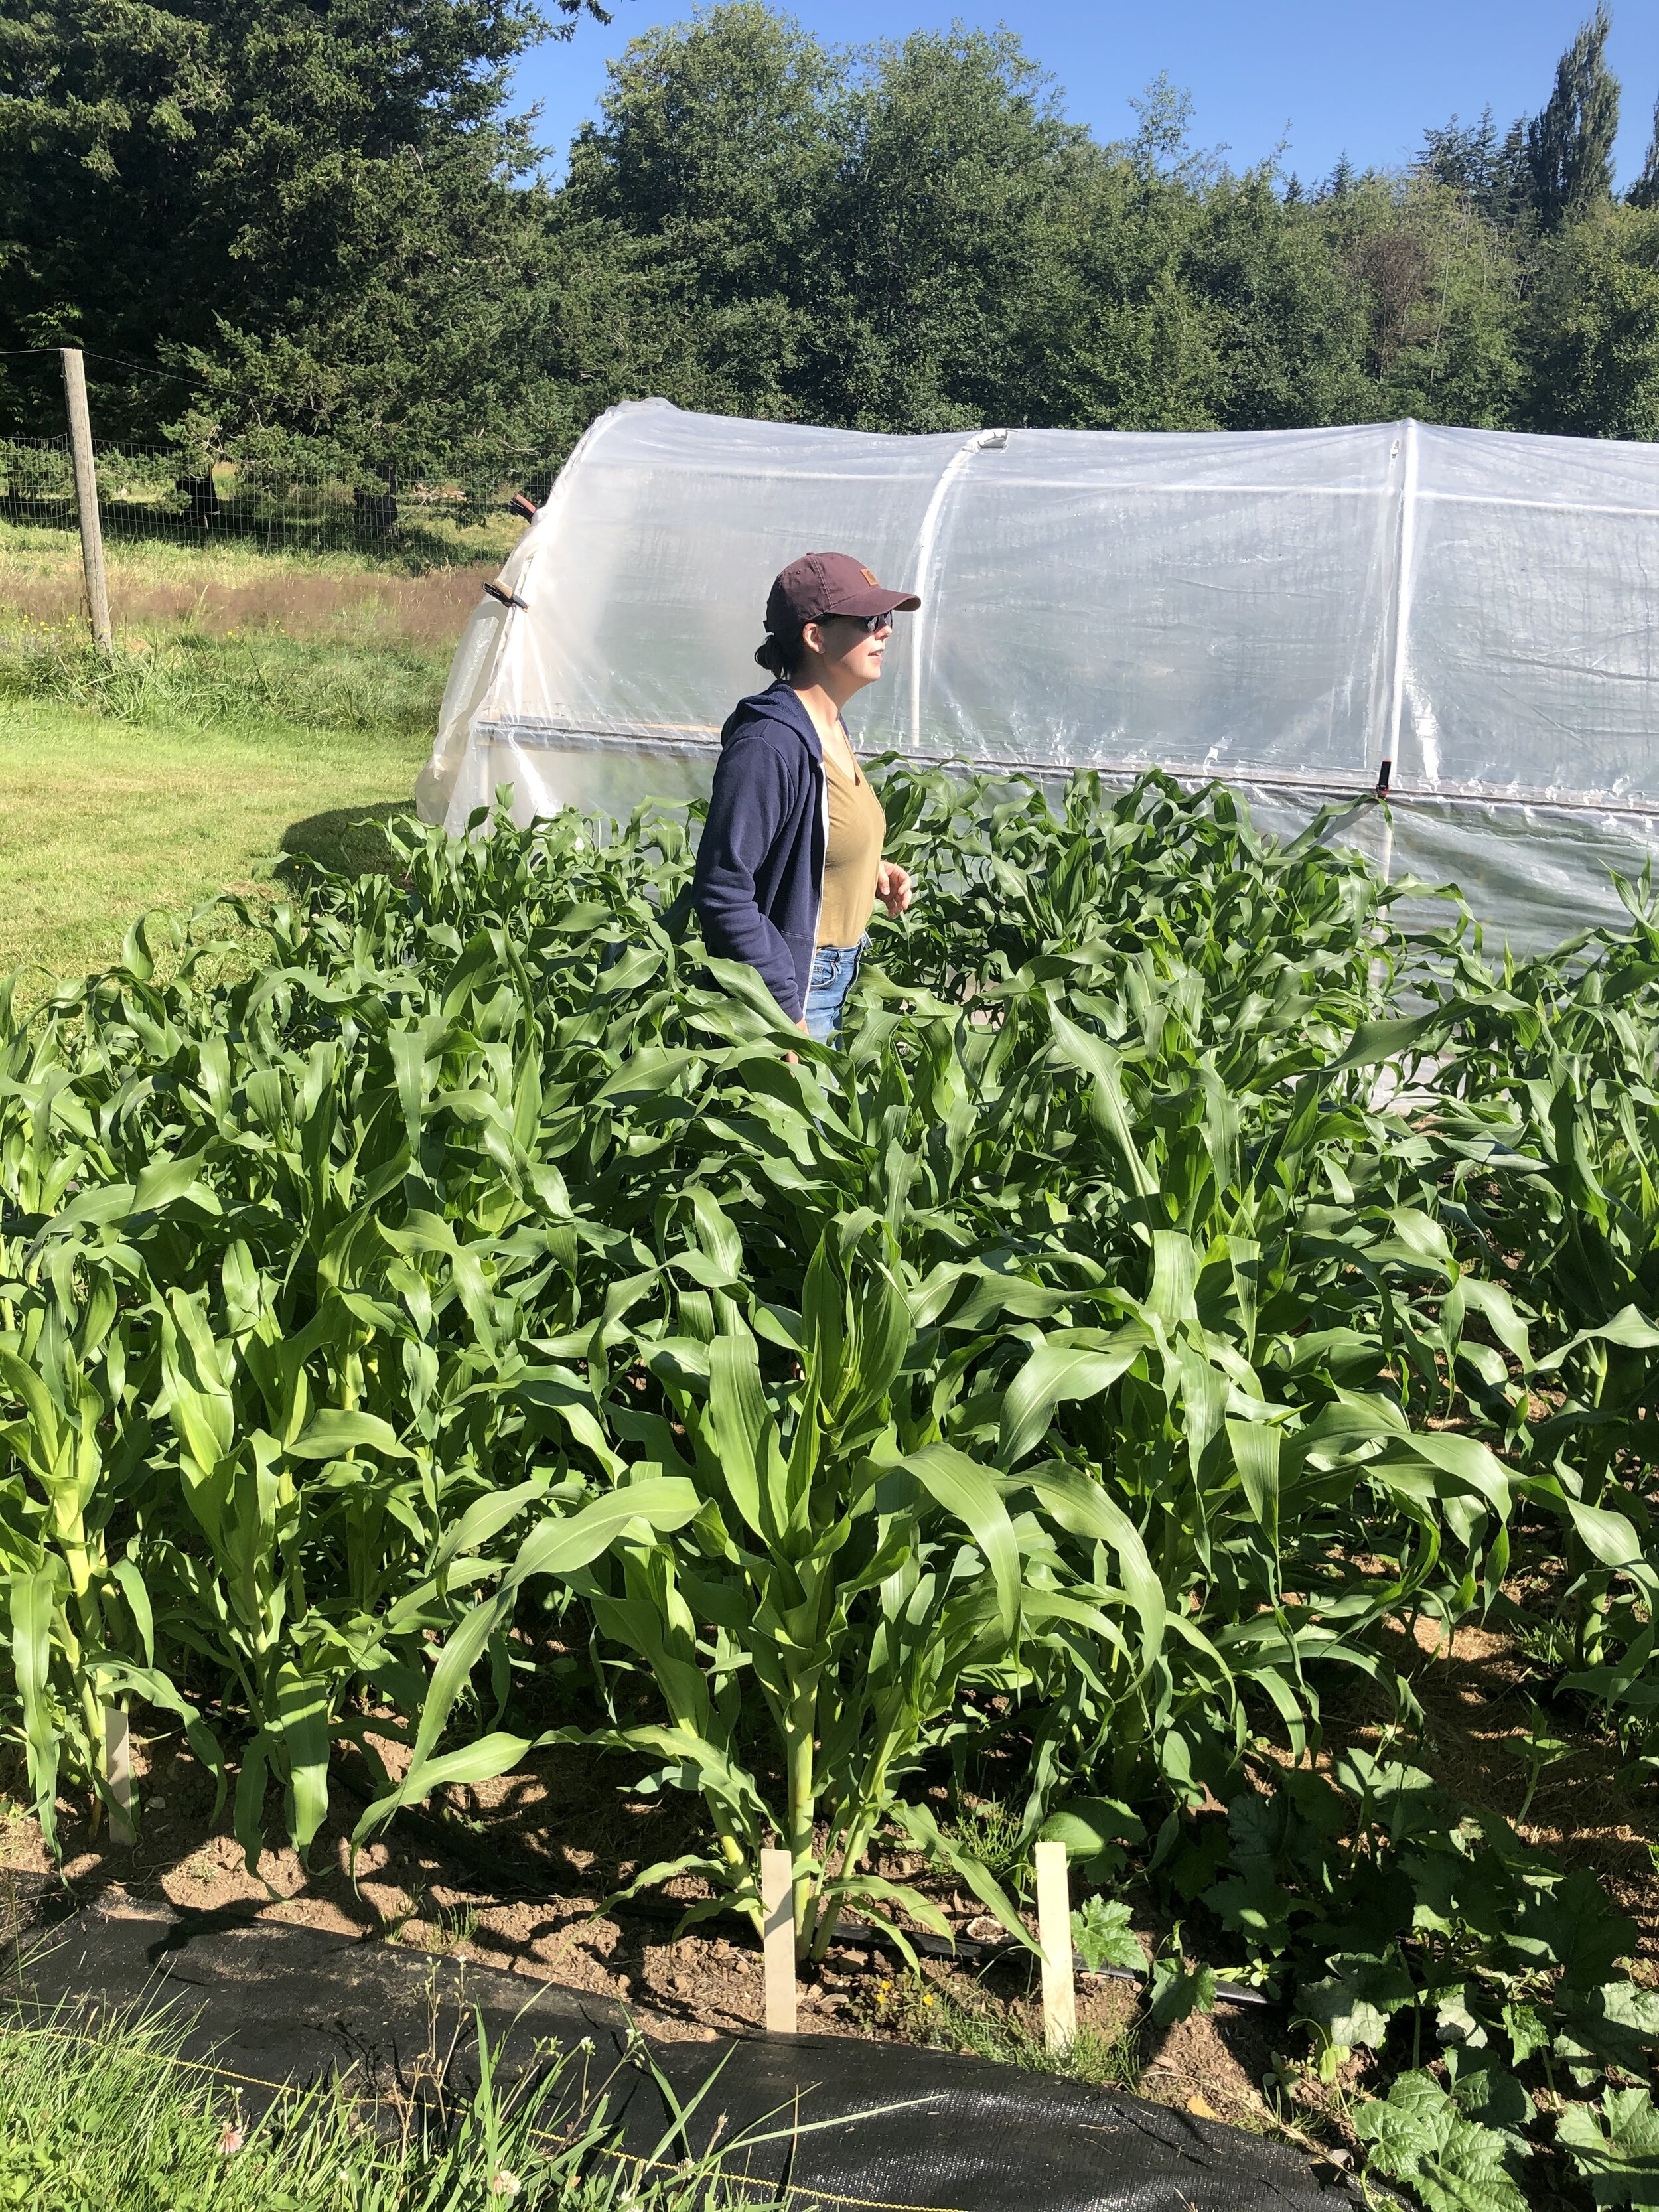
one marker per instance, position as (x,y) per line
(328,229)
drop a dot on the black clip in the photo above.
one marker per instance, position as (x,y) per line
(1382,778)
(506,598)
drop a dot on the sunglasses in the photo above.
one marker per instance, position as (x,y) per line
(868,624)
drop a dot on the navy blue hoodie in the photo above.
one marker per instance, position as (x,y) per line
(759,882)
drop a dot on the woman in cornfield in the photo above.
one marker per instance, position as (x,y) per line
(790,863)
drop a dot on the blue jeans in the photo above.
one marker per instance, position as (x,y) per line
(835,971)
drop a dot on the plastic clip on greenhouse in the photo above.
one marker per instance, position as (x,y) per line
(1465,615)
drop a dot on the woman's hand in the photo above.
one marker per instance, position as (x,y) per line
(894,888)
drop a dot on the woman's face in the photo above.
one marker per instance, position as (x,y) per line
(853,651)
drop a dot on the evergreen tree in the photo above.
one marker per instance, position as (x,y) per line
(1512,186)
(1644,192)
(1462,157)
(1569,143)
(1489,171)
(311,210)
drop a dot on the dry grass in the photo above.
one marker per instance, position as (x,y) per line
(423,611)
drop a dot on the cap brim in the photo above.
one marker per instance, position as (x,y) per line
(875,601)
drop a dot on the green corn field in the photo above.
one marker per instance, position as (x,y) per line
(1204,1264)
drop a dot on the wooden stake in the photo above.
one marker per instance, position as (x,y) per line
(778,1896)
(85,496)
(118,1769)
(1054,1891)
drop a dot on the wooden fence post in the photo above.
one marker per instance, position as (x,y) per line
(778,1899)
(1054,1891)
(118,1769)
(85,496)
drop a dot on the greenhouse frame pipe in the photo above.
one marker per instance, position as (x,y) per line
(982,441)
(1405,563)
(678,741)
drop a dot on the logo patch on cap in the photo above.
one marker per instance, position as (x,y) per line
(868,577)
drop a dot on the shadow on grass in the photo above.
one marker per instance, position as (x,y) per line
(349,840)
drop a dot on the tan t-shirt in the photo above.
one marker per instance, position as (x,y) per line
(857,828)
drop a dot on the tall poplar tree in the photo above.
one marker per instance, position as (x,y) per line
(1644,192)
(1569,144)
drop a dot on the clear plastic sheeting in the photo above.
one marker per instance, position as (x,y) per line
(1286,609)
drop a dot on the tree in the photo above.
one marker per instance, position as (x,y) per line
(325,218)
(1569,144)
(909,238)
(1283,307)
(1644,192)
(689,238)
(1445,287)
(945,231)
(1594,315)
(309,210)
(1471,160)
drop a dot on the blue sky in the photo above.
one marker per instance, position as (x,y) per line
(1329,75)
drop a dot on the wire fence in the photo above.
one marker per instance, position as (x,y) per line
(146,494)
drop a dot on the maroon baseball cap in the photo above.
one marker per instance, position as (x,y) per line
(820,583)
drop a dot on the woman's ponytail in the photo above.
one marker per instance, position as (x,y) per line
(780,654)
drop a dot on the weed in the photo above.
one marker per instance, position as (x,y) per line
(225,683)
(994,1834)
(102,2115)
(937,2014)
(440,1930)
(1546,1641)
(1103,1934)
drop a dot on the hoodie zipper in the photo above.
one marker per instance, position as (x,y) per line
(824,817)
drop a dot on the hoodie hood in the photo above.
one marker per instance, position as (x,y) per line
(779,705)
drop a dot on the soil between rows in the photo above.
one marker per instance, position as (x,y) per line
(513,1889)
(513,1875)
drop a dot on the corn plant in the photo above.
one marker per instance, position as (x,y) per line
(1050,1373)
(847,1573)
(941,1130)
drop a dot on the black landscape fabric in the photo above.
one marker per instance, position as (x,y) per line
(909,2131)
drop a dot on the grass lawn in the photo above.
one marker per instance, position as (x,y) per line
(100,820)
(257,704)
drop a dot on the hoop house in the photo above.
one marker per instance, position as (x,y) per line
(1293,611)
